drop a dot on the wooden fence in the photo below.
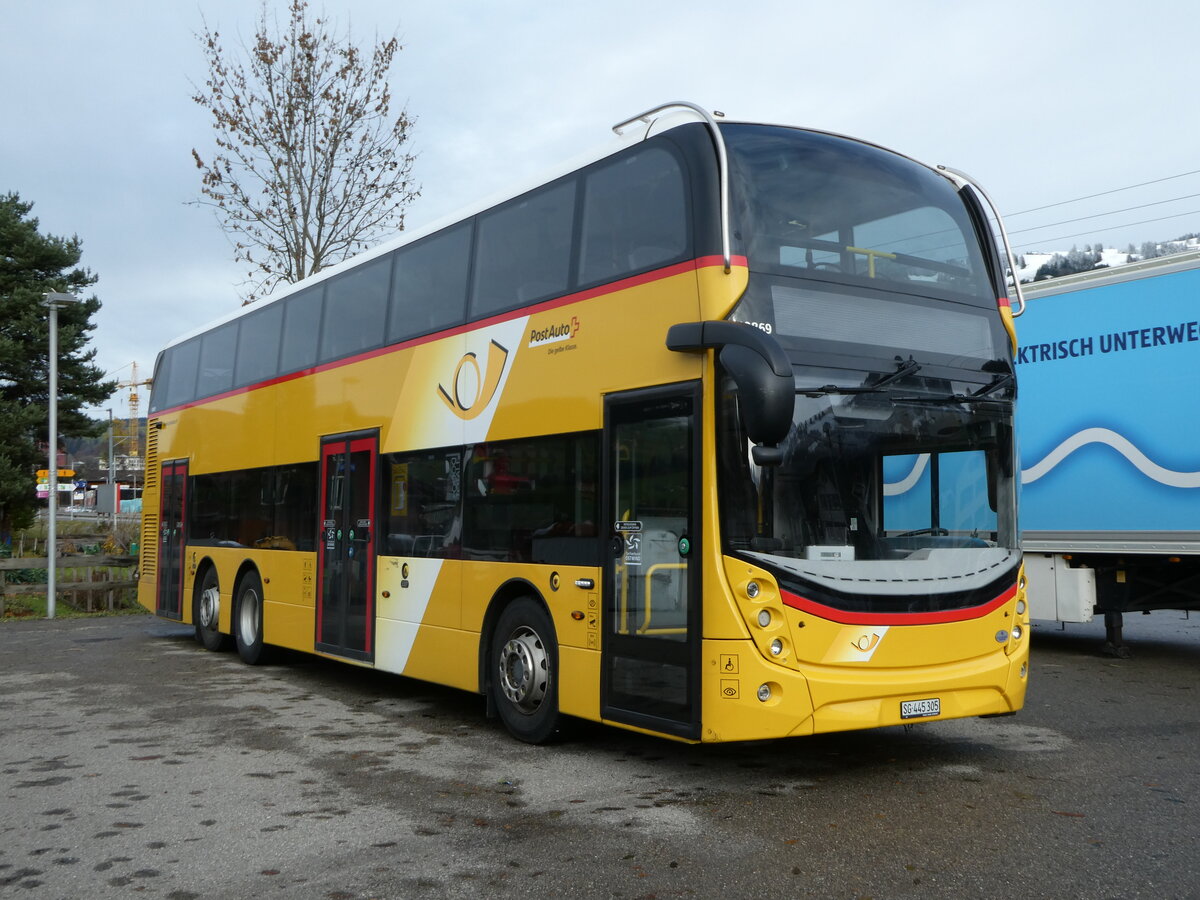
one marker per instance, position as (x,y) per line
(97,589)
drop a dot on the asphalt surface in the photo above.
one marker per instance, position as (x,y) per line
(133,763)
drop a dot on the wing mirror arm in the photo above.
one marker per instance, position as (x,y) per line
(761,371)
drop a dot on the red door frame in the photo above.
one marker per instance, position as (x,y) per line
(347,445)
(170,471)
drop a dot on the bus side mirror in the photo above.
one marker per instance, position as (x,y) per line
(761,371)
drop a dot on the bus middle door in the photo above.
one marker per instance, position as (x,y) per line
(346,558)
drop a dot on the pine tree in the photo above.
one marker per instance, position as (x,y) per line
(32,265)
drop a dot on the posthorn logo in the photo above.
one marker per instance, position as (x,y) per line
(472,388)
(865,644)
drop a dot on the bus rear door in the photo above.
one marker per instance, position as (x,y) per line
(173,494)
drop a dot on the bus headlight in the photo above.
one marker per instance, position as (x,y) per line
(1016,632)
(776,647)
(764,618)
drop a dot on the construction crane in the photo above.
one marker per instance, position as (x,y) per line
(132,426)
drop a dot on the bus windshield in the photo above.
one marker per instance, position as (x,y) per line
(838,210)
(900,499)
(896,490)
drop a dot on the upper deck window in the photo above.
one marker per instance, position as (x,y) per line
(258,346)
(429,283)
(823,207)
(524,251)
(621,216)
(216,360)
(634,216)
(356,309)
(180,373)
(301,328)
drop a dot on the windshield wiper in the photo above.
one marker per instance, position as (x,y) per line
(981,395)
(994,385)
(906,367)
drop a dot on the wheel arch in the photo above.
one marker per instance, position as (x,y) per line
(203,566)
(246,567)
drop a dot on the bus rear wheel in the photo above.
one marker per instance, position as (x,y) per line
(524,671)
(248,621)
(206,613)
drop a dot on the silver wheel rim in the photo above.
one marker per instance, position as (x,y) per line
(248,617)
(524,670)
(210,608)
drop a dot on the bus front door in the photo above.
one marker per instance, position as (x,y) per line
(171,518)
(346,558)
(651,644)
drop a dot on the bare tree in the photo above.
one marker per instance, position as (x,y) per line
(309,167)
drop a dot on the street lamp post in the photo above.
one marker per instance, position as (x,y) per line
(54,301)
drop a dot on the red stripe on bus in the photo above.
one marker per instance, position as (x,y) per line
(846,617)
(691,265)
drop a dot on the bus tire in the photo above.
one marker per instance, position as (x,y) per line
(524,671)
(248,621)
(206,612)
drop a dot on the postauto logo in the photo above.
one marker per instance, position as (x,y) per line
(553,334)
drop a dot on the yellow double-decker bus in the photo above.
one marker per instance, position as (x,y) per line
(708,437)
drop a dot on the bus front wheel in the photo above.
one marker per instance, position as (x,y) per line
(248,621)
(206,613)
(524,671)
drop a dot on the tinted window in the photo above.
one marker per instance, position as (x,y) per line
(301,328)
(183,361)
(158,384)
(209,509)
(217,350)
(532,501)
(269,509)
(258,346)
(832,209)
(634,216)
(424,516)
(523,251)
(429,284)
(355,309)
(294,494)
(230,508)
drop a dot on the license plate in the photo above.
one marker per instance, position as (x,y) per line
(920,709)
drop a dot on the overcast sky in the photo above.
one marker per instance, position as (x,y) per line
(1040,101)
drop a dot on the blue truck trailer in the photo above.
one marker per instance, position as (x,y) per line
(1109,431)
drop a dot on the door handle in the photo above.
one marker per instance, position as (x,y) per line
(585,584)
